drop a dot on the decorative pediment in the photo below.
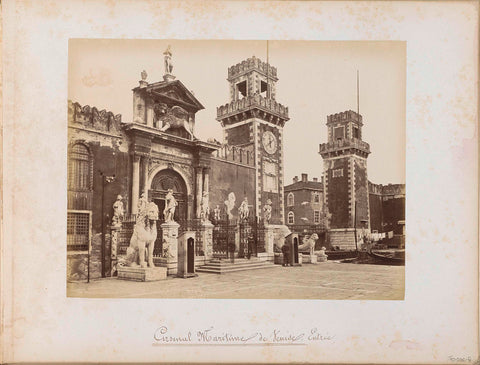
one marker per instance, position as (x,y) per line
(175,93)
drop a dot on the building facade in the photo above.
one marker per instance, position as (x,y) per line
(304,202)
(113,161)
(345,178)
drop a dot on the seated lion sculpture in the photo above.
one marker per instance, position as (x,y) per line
(308,243)
(140,251)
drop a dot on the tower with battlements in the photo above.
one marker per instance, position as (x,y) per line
(345,178)
(253,120)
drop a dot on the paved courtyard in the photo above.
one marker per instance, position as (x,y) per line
(329,280)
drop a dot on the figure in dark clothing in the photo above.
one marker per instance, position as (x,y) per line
(286,254)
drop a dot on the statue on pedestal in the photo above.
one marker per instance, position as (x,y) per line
(216,213)
(170,205)
(204,208)
(243,210)
(118,212)
(168,61)
(308,243)
(230,204)
(140,250)
(142,202)
(267,211)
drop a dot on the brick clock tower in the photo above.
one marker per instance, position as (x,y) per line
(345,178)
(254,120)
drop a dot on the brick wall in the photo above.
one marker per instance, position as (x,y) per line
(338,195)
(226,177)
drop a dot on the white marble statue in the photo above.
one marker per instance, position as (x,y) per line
(140,250)
(308,243)
(118,212)
(142,202)
(168,61)
(204,208)
(267,211)
(230,204)
(216,213)
(243,210)
(170,205)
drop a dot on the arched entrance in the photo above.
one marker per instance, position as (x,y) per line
(161,182)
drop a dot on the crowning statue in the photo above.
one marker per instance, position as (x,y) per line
(204,208)
(170,205)
(140,250)
(230,204)
(168,61)
(267,211)
(118,212)
(243,210)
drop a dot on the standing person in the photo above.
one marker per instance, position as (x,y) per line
(286,254)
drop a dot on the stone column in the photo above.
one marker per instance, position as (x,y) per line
(206,185)
(170,241)
(135,184)
(207,239)
(145,175)
(199,171)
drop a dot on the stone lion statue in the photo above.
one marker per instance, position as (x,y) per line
(308,243)
(140,251)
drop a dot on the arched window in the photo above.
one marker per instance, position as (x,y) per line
(316,198)
(290,200)
(291,218)
(79,168)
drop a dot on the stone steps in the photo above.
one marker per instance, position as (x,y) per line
(218,266)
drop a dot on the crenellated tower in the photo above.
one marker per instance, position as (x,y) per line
(254,120)
(345,178)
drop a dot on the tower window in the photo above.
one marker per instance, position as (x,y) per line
(355,133)
(316,216)
(339,133)
(263,88)
(241,89)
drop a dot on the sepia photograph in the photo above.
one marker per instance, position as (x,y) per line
(236,169)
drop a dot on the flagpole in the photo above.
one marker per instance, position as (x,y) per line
(358,93)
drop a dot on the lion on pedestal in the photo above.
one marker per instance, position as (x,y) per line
(140,251)
(308,243)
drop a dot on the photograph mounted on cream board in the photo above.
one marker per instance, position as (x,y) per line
(311,198)
(175,205)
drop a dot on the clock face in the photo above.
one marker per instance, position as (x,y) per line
(269,142)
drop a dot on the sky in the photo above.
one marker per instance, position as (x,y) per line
(316,79)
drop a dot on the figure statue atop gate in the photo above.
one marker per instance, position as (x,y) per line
(118,212)
(267,211)
(243,210)
(204,208)
(168,60)
(170,205)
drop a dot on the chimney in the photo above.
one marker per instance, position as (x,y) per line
(304,177)
(295,179)
(315,179)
